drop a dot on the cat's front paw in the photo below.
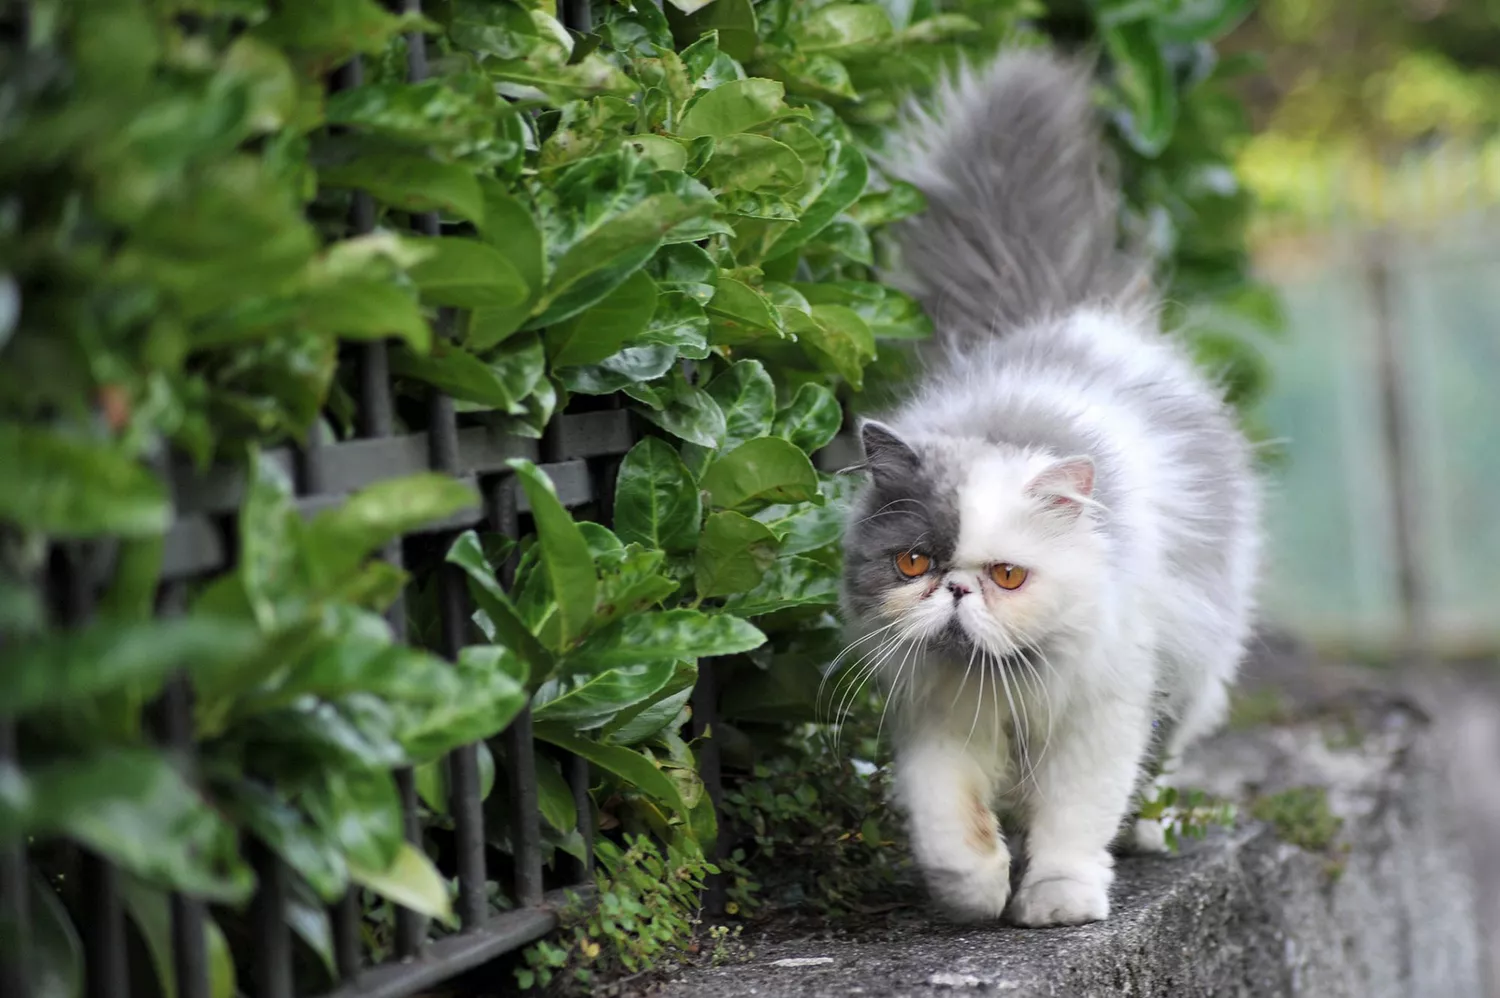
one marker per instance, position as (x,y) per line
(1063,896)
(975,894)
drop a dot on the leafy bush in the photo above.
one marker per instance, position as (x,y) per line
(674,211)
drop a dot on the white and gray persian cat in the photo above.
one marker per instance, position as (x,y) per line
(1052,563)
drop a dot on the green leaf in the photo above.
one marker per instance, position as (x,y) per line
(367,310)
(132,807)
(302,845)
(753,163)
(844,180)
(360,810)
(334,30)
(737,106)
(812,419)
(1201,20)
(733,553)
(150,911)
(68,667)
(888,313)
(510,229)
(502,30)
(566,560)
(877,208)
(687,268)
(64,486)
(740,314)
(625,763)
(1145,84)
(733,20)
(410,881)
(839,28)
(766,470)
(636,724)
(455,371)
(678,322)
(495,604)
(554,796)
(747,396)
(628,370)
(340,539)
(132,591)
(667,635)
(407,181)
(840,341)
(466,273)
(600,331)
(689,413)
(588,700)
(656,499)
(491,695)
(791,581)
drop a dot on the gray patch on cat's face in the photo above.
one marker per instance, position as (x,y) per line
(909,503)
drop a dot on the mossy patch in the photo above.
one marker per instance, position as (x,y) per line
(1300,816)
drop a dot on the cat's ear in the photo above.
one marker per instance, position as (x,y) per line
(886,454)
(1065,486)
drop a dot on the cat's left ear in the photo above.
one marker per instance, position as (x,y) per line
(886,454)
(1065,486)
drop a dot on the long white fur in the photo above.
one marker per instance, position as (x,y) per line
(1140,592)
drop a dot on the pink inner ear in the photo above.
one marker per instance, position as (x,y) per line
(1064,483)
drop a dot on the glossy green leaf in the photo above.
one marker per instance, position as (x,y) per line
(554,797)
(840,341)
(336,29)
(901,200)
(360,810)
(625,763)
(838,28)
(510,229)
(631,581)
(66,486)
(656,499)
(628,371)
(753,163)
(733,553)
(842,184)
(491,695)
(811,420)
(733,21)
(407,181)
(368,310)
(687,268)
(766,470)
(585,701)
(602,330)
(888,313)
(302,845)
(689,413)
(410,881)
(496,604)
(747,396)
(667,635)
(341,538)
(455,371)
(791,581)
(566,561)
(636,724)
(466,273)
(679,322)
(502,30)
(737,106)
(739,313)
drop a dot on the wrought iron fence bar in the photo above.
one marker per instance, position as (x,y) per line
(15,890)
(354,464)
(273,941)
(189,934)
(525,826)
(448,957)
(411,928)
(108,968)
(578,780)
(344,917)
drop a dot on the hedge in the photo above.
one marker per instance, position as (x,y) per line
(676,212)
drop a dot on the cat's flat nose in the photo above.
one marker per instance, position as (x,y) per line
(958,589)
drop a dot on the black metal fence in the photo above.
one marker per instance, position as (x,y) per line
(580,453)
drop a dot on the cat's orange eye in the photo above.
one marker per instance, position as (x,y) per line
(912,564)
(1008,576)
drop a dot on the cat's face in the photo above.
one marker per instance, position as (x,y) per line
(966,548)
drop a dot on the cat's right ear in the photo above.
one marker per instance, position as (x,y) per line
(887,456)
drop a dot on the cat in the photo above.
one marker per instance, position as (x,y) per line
(1051,562)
